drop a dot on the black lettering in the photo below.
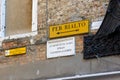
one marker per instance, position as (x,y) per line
(54,29)
(81,24)
(67,26)
(72,25)
(60,27)
(75,26)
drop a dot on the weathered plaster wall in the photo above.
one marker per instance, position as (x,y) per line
(59,12)
(63,11)
(21,21)
(55,12)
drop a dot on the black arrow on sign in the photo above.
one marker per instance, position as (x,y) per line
(67,31)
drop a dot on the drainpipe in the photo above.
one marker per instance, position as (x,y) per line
(87,76)
(47,24)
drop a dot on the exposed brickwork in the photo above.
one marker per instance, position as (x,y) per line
(79,44)
(56,12)
(7,44)
(34,53)
(63,11)
(42,18)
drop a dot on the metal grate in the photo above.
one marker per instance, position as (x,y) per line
(106,41)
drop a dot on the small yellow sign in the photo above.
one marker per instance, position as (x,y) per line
(16,51)
(78,27)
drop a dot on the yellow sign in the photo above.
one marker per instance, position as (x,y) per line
(16,51)
(68,29)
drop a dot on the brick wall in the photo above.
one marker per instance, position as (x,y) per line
(56,12)
(63,11)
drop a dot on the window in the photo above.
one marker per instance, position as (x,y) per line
(20,17)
